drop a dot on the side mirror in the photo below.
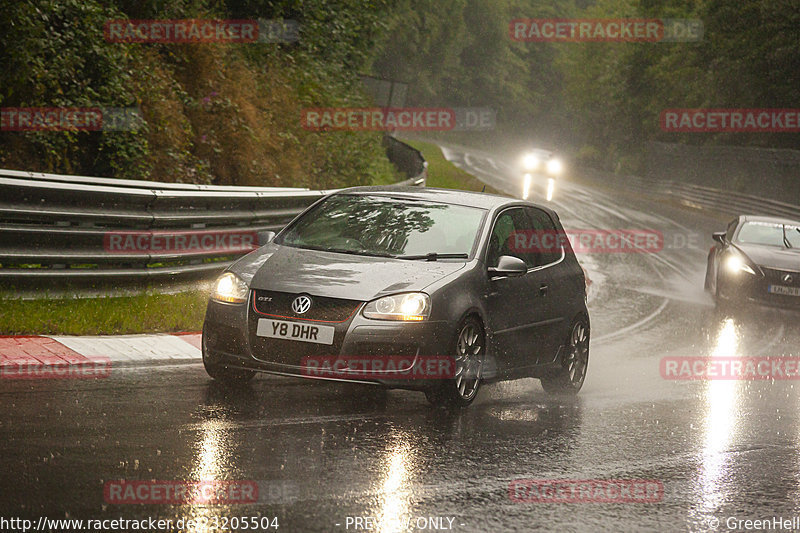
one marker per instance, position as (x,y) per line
(508,266)
(719,237)
(265,237)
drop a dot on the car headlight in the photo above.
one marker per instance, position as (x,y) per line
(735,264)
(411,306)
(530,162)
(555,167)
(230,288)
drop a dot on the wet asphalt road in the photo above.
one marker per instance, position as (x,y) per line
(321,453)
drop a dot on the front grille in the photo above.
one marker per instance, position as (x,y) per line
(279,305)
(384,349)
(288,352)
(775,276)
(336,312)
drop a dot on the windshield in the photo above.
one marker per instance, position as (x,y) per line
(770,234)
(386,226)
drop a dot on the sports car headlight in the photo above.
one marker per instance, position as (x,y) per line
(736,264)
(411,306)
(229,288)
(530,162)
(555,167)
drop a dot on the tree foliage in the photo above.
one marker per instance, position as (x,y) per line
(604,98)
(213,113)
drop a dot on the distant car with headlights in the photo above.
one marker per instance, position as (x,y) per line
(756,261)
(540,169)
(398,276)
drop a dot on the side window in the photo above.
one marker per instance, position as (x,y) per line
(550,250)
(731,229)
(507,227)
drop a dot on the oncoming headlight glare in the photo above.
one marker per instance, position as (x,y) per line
(530,161)
(554,166)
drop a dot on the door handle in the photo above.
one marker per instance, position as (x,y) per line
(542,290)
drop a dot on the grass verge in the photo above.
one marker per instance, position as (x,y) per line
(444,174)
(142,313)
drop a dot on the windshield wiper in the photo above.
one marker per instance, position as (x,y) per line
(357,252)
(337,250)
(433,256)
(785,240)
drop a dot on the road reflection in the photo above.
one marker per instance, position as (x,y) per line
(208,467)
(722,400)
(396,497)
(544,187)
(383,449)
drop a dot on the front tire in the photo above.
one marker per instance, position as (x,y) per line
(574,362)
(722,306)
(229,376)
(469,350)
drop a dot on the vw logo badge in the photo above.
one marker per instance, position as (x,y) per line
(301,304)
(787,278)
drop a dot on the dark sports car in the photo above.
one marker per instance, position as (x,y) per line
(757,261)
(411,288)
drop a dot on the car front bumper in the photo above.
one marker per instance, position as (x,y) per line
(743,288)
(229,339)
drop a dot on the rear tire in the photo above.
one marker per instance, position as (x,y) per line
(574,362)
(469,349)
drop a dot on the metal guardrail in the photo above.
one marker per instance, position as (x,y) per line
(699,196)
(57,229)
(409,160)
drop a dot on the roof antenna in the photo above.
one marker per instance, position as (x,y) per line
(484,188)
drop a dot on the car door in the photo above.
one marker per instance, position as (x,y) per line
(563,284)
(518,307)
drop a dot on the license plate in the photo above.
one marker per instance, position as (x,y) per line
(281,329)
(780,289)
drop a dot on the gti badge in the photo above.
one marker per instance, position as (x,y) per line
(301,304)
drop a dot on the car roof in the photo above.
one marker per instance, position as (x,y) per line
(771,220)
(451,196)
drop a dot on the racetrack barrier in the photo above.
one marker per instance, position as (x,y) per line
(57,229)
